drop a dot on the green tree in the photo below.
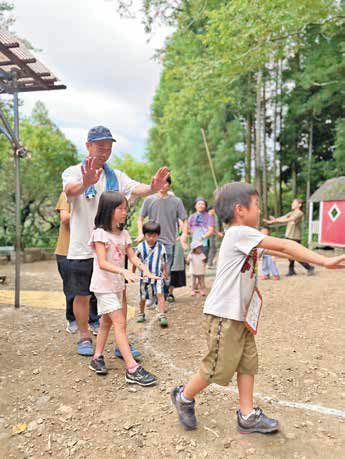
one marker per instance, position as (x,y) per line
(41,183)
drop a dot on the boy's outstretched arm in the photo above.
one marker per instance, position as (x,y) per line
(274,253)
(300,253)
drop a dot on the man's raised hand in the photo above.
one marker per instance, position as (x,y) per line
(160,178)
(89,172)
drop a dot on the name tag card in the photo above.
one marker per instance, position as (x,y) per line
(253,313)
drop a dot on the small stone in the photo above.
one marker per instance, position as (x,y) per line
(32,426)
(128,426)
(71,443)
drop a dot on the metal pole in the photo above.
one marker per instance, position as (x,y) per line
(17,171)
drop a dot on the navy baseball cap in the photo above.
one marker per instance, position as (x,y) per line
(99,133)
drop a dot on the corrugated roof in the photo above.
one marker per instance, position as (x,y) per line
(332,190)
(31,74)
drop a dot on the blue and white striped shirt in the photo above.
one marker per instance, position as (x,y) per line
(154,257)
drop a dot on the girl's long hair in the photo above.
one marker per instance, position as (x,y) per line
(108,202)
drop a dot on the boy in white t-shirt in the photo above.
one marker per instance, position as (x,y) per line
(231,345)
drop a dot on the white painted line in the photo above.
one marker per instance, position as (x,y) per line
(266,398)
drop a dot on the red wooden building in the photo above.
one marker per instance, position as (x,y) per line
(330,227)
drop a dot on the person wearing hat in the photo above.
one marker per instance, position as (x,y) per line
(197,267)
(83,184)
(201,225)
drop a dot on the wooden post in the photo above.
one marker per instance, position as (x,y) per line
(209,157)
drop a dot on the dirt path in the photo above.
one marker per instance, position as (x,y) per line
(69,412)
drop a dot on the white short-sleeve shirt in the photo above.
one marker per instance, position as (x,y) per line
(236,273)
(83,210)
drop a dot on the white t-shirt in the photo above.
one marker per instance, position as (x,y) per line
(83,210)
(236,274)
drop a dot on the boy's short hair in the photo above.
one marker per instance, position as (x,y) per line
(152,228)
(231,194)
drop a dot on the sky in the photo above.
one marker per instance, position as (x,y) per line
(105,61)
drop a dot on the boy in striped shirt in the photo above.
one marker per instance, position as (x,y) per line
(152,253)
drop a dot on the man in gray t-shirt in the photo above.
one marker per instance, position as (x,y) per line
(167,210)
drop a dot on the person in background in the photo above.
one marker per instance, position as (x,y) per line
(178,269)
(197,268)
(201,225)
(213,240)
(268,266)
(61,250)
(167,210)
(152,254)
(294,220)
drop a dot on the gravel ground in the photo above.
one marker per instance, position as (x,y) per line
(51,405)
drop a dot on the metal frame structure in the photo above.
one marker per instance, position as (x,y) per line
(20,72)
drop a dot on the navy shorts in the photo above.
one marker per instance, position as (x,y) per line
(80,273)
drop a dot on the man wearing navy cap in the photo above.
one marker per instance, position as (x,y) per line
(83,185)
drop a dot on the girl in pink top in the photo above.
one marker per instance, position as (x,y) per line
(197,268)
(111,243)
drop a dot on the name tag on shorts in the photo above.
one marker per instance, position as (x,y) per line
(253,313)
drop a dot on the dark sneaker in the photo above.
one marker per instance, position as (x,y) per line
(170,298)
(98,365)
(311,271)
(291,273)
(257,422)
(141,377)
(185,411)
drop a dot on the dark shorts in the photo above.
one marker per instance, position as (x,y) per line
(80,272)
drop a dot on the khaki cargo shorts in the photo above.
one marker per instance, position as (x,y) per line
(231,348)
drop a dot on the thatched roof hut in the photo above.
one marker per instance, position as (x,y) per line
(332,190)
